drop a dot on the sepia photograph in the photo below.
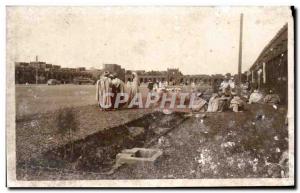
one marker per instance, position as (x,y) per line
(157,96)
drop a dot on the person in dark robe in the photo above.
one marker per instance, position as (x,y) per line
(117,87)
(272,98)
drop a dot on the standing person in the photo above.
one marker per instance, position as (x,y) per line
(231,83)
(117,86)
(103,91)
(150,87)
(128,84)
(159,84)
(193,86)
(134,88)
(223,84)
(225,87)
(155,87)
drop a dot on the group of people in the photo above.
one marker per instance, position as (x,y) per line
(227,98)
(112,93)
(222,101)
(156,86)
(109,87)
(258,97)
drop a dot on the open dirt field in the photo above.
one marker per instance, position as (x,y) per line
(34,99)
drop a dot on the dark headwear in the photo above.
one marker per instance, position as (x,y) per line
(106,73)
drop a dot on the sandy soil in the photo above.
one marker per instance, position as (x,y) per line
(221,145)
(36,99)
(41,132)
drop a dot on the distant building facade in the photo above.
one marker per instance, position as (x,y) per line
(37,72)
(174,77)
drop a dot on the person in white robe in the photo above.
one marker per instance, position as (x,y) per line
(134,87)
(128,85)
(155,87)
(255,97)
(236,103)
(225,87)
(213,103)
(103,91)
(231,83)
(160,85)
(193,86)
(224,84)
(200,105)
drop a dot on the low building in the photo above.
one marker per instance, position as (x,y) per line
(270,70)
(174,77)
(80,69)
(40,72)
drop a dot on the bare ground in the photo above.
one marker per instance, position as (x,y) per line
(222,145)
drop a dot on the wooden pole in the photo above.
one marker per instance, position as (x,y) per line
(36,70)
(240,52)
(36,75)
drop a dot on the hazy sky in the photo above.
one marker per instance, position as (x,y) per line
(198,40)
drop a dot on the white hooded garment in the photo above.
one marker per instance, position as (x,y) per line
(103,92)
(134,87)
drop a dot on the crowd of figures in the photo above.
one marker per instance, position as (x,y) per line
(112,93)
(109,88)
(227,97)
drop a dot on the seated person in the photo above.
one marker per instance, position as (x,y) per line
(223,100)
(272,98)
(213,103)
(236,103)
(255,97)
(200,105)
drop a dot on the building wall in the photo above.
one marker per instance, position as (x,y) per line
(174,77)
(40,72)
(270,70)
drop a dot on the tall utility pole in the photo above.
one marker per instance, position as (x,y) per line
(240,52)
(36,70)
